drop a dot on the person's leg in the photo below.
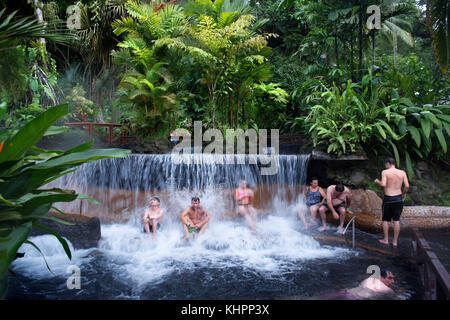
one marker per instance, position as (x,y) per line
(385,240)
(202,229)
(341,211)
(314,210)
(186,231)
(252,213)
(244,212)
(154,224)
(323,216)
(396,233)
(146,227)
(385,217)
(301,215)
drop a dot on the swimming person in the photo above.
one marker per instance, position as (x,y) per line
(392,180)
(370,288)
(313,195)
(244,206)
(338,200)
(194,218)
(153,216)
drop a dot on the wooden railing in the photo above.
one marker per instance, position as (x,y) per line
(90,128)
(433,274)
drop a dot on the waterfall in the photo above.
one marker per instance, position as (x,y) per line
(124,186)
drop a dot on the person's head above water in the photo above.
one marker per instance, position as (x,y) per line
(154,201)
(387,277)
(195,201)
(243,184)
(389,162)
(314,182)
(340,188)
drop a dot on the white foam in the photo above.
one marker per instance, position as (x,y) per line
(33,264)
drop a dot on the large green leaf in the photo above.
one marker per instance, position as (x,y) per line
(39,250)
(60,239)
(415,134)
(441,139)
(409,169)
(52,130)
(9,247)
(426,127)
(81,157)
(31,133)
(2,110)
(394,148)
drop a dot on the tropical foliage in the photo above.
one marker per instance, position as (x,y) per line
(24,172)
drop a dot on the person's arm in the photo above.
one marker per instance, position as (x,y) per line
(330,202)
(160,214)
(184,217)
(348,201)
(146,214)
(406,184)
(382,183)
(322,193)
(204,220)
(305,192)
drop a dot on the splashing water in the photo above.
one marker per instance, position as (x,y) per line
(227,261)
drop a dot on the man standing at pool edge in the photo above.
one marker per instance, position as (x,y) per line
(392,180)
(195,218)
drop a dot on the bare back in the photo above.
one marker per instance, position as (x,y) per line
(394,181)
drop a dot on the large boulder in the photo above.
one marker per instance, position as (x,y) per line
(366,205)
(84,233)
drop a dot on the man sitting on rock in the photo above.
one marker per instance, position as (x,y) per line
(195,218)
(338,200)
(153,216)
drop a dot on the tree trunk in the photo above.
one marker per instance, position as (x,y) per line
(38,6)
(336,50)
(373,47)
(351,56)
(360,36)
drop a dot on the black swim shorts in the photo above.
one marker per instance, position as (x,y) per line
(335,207)
(392,208)
(151,227)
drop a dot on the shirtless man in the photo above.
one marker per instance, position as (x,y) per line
(313,195)
(153,217)
(340,197)
(370,288)
(392,180)
(195,218)
(244,206)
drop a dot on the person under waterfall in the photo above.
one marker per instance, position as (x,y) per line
(243,196)
(313,196)
(153,217)
(195,218)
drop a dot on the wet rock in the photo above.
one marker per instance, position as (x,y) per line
(152,146)
(85,233)
(366,205)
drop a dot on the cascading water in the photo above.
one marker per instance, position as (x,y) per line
(228,261)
